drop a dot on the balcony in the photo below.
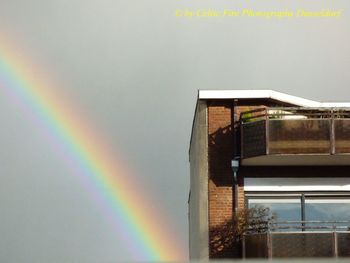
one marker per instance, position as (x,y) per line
(295,136)
(302,239)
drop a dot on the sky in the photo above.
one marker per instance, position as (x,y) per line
(132,70)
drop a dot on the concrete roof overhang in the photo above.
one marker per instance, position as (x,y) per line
(267,94)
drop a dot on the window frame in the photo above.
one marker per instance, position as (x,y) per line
(304,197)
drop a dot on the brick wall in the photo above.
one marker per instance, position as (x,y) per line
(221,142)
(220,186)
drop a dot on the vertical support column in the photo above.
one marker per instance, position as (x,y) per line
(241,139)
(267,133)
(242,152)
(235,127)
(332,133)
(335,242)
(303,212)
(243,247)
(235,181)
(236,156)
(269,245)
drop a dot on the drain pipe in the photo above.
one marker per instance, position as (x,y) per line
(235,167)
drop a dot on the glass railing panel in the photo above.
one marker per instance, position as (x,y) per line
(256,246)
(254,138)
(343,243)
(303,136)
(342,135)
(299,245)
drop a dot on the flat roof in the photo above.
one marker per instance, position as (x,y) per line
(267,94)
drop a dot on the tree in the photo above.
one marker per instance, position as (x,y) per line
(226,237)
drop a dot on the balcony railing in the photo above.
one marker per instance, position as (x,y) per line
(278,131)
(297,239)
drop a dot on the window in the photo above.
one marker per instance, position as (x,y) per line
(282,208)
(320,211)
(327,209)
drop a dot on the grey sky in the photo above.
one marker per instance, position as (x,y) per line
(133,70)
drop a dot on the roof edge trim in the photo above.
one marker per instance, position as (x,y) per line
(267,94)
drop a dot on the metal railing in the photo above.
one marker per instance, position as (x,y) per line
(309,239)
(294,113)
(310,225)
(298,225)
(295,131)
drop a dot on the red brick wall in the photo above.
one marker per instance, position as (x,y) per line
(220,119)
(221,152)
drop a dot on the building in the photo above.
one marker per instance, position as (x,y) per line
(293,156)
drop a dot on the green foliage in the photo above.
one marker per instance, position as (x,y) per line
(247,117)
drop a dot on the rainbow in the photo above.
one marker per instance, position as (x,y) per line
(143,229)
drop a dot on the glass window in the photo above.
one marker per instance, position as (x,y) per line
(283,209)
(327,209)
(334,211)
(323,211)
